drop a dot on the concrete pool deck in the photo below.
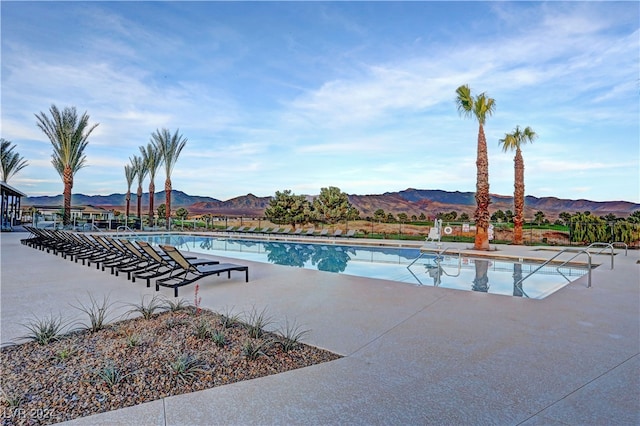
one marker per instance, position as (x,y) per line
(412,355)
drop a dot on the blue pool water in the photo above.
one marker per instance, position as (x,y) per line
(389,263)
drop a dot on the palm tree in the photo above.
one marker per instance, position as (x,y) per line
(130,174)
(140,172)
(169,147)
(10,162)
(69,136)
(481,106)
(152,159)
(512,141)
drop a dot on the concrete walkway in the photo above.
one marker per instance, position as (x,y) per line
(412,355)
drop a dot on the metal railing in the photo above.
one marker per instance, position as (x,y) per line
(519,283)
(621,243)
(438,259)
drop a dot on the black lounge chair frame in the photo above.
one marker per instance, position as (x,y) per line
(188,272)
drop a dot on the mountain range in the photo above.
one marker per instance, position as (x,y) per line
(410,201)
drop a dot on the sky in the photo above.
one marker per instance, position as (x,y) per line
(306,95)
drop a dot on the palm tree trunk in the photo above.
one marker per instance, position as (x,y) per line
(482,216)
(167,192)
(481,280)
(139,194)
(128,198)
(152,190)
(518,198)
(517,276)
(68,187)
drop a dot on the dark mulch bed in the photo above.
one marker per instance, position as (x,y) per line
(139,360)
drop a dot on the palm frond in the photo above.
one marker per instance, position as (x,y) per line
(10,162)
(129,174)
(169,147)
(464,100)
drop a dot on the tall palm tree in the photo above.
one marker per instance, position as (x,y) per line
(153,160)
(481,106)
(512,141)
(10,162)
(69,136)
(130,174)
(169,147)
(140,172)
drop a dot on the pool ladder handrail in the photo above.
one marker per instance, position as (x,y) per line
(438,259)
(124,228)
(519,283)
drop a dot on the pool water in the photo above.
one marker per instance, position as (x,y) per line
(389,263)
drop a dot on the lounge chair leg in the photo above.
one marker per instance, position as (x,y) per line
(175,292)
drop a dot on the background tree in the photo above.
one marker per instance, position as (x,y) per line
(169,146)
(379,215)
(331,205)
(286,207)
(508,215)
(10,162)
(141,172)
(498,216)
(152,160)
(634,217)
(162,210)
(512,142)
(464,217)
(402,217)
(182,213)
(69,136)
(422,216)
(481,106)
(130,175)
(539,217)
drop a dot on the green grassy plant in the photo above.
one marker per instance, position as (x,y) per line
(203,329)
(229,318)
(291,334)
(186,367)
(218,338)
(13,400)
(133,340)
(111,375)
(96,311)
(253,349)
(45,330)
(146,309)
(175,306)
(256,322)
(66,353)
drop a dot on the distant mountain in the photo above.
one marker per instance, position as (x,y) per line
(178,198)
(410,201)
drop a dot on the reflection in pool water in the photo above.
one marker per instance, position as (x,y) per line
(480,275)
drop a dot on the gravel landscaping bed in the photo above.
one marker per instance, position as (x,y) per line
(143,359)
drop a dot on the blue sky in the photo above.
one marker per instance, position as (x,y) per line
(358,95)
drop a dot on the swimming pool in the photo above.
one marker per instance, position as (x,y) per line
(389,263)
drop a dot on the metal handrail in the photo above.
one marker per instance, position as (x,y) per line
(124,228)
(93,227)
(621,243)
(559,253)
(605,246)
(438,259)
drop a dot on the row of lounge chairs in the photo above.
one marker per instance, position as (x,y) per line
(170,267)
(311,232)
